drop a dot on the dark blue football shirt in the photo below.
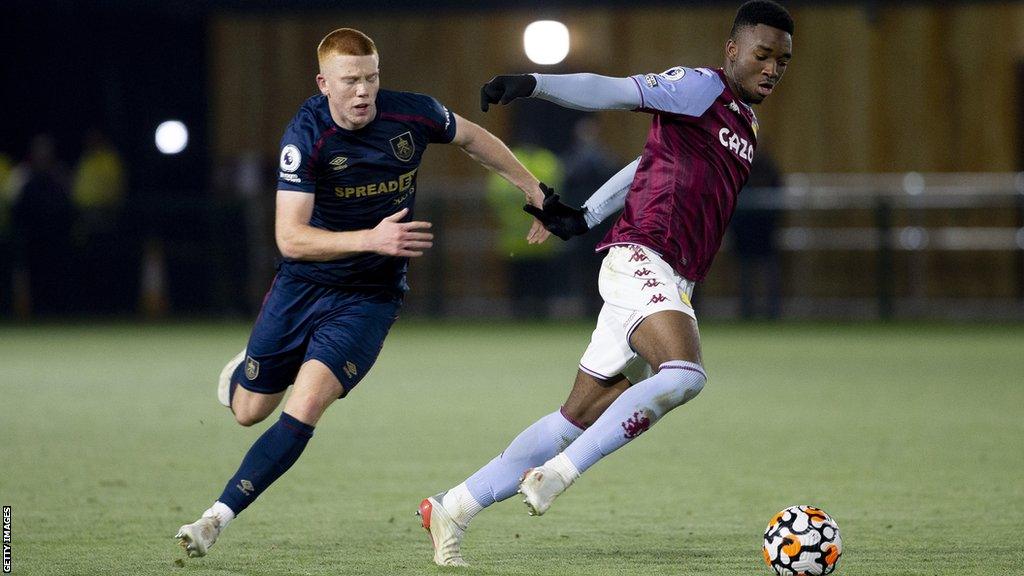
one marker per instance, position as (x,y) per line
(359,177)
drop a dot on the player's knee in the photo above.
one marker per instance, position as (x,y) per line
(308,408)
(581,415)
(248,418)
(686,379)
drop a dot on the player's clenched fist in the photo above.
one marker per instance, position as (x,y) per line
(394,238)
(504,89)
(559,218)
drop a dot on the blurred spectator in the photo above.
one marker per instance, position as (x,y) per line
(6,194)
(588,164)
(99,176)
(246,250)
(6,258)
(530,266)
(753,229)
(41,218)
(99,198)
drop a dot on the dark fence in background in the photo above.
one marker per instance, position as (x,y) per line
(844,246)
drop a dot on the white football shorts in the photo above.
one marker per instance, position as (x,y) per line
(634,283)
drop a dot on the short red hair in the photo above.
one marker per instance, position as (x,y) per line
(346,42)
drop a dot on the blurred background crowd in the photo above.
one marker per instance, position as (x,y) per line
(139,145)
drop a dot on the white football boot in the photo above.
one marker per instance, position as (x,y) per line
(445,532)
(197,538)
(541,485)
(224,383)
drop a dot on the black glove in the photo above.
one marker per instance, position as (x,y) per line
(560,219)
(504,89)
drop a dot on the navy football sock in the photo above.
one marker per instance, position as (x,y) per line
(270,457)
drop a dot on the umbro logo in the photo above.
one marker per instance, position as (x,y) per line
(350,369)
(245,487)
(339,163)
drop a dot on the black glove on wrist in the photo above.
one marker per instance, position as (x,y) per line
(560,219)
(504,89)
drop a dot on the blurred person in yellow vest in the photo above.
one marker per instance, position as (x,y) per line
(529,266)
(99,176)
(98,193)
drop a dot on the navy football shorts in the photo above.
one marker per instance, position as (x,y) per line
(301,321)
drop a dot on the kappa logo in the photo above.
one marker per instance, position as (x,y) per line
(252,368)
(753,119)
(651,283)
(403,146)
(339,163)
(657,299)
(642,272)
(350,369)
(639,256)
(290,158)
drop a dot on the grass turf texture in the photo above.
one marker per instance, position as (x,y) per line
(909,436)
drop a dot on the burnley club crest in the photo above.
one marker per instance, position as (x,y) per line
(403,146)
(252,368)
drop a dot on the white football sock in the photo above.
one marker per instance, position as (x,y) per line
(461,504)
(221,511)
(563,466)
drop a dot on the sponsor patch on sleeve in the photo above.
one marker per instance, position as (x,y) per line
(651,80)
(674,74)
(290,158)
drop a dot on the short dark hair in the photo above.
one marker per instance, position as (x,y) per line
(764,12)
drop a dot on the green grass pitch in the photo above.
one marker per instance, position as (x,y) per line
(910,436)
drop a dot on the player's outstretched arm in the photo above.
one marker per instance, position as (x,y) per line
(579,91)
(297,240)
(611,196)
(494,155)
(565,221)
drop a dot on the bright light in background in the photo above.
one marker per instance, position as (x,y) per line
(171,137)
(546,42)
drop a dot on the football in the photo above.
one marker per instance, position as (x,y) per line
(802,541)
